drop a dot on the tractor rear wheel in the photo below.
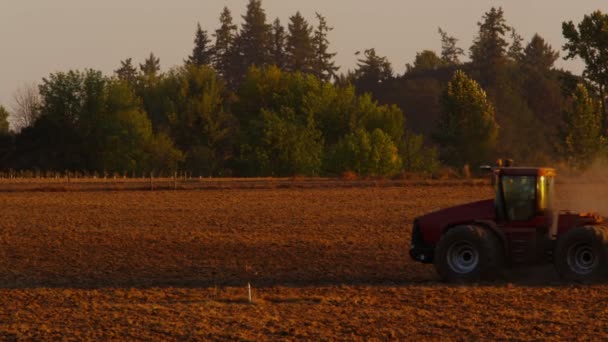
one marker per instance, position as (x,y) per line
(468,254)
(581,254)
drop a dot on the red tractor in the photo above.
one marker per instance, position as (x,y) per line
(519,227)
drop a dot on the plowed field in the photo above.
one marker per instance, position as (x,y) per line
(323,263)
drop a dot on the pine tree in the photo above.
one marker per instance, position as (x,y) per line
(299,46)
(277,50)
(488,52)
(426,60)
(372,71)
(151,66)
(516,50)
(324,66)
(224,46)
(539,55)
(467,130)
(582,136)
(202,53)
(255,38)
(127,71)
(450,53)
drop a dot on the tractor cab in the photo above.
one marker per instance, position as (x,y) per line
(520,226)
(524,194)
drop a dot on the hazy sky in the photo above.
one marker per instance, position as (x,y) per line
(38,37)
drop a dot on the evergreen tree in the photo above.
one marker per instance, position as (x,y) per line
(201,54)
(582,136)
(299,48)
(151,66)
(278,53)
(425,60)
(539,55)
(3,121)
(488,52)
(450,53)
(224,45)
(467,129)
(516,50)
(253,43)
(324,66)
(372,71)
(590,42)
(127,72)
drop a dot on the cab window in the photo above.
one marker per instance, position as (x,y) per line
(519,193)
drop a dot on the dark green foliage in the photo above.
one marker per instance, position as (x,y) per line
(267,108)
(324,66)
(127,72)
(425,60)
(450,53)
(488,52)
(88,122)
(198,119)
(151,66)
(224,47)
(202,53)
(3,121)
(516,50)
(252,46)
(279,133)
(467,129)
(295,123)
(372,71)
(299,48)
(539,55)
(278,53)
(589,41)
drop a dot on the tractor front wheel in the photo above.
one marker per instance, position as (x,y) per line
(468,254)
(581,254)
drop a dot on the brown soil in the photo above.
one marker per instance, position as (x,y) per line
(324,262)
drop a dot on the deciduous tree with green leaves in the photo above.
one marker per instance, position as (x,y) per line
(589,41)
(582,134)
(198,118)
(365,153)
(467,129)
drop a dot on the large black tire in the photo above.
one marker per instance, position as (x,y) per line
(581,254)
(469,254)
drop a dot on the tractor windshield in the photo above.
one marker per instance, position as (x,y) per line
(519,194)
(520,198)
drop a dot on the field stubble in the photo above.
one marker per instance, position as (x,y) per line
(324,263)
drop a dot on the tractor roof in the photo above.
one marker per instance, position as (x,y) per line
(525,171)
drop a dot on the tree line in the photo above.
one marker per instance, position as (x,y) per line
(263,99)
